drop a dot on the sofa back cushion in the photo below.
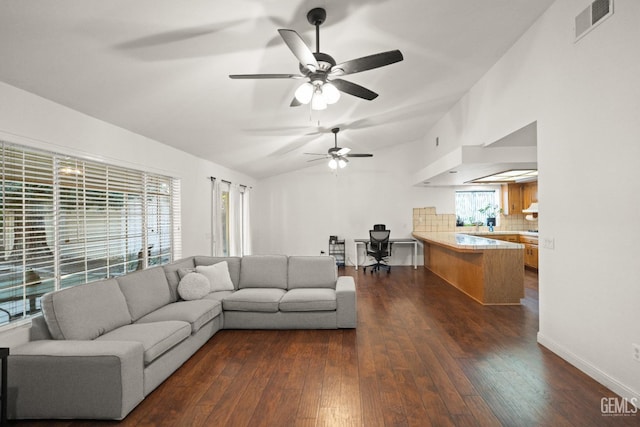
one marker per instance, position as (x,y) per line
(312,272)
(173,278)
(145,291)
(264,271)
(85,312)
(233,263)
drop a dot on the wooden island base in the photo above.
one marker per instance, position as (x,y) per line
(490,276)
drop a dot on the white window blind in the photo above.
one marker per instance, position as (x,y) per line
(176,219)
(68,221)
(27,267)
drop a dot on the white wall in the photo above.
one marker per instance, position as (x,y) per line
(295,213)
(586,100)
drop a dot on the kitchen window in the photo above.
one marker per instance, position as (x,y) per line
(468,204)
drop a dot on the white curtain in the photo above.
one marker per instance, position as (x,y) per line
(231,218)
(246,223)
(217,242)
(235,220)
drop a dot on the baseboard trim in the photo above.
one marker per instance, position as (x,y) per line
(602,377)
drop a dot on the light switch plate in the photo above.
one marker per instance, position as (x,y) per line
(548,242)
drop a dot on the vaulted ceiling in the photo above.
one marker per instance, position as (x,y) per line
(160,68)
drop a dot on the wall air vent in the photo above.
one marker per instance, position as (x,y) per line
(593,15)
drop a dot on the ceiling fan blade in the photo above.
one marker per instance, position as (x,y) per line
(317,154)
(295,102)
(314,160)
(266,76)
(354,89)
(366,63)
(343,151)
(359,155)
(299,49)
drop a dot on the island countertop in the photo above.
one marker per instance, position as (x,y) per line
(489,271)
(463,241)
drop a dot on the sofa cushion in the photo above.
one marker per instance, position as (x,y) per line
(145,291)
(233,264)
(312,272)
(254,299)
(309,299)
(219,295)
(156,338)
(193,286)
(85,312)
(218,276)
(171,270)
(196,312)
(264,271)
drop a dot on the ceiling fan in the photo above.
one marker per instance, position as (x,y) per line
(323,85)
(337,156)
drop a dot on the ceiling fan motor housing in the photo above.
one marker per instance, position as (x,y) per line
(324,61)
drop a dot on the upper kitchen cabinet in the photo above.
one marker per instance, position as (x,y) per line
(512,198)
(529,194)
(516,196)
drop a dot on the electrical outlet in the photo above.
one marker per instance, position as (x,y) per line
(636,352)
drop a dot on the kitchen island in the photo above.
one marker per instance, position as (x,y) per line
(489,271)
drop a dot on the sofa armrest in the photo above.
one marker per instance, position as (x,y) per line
(75,379)
(347,316)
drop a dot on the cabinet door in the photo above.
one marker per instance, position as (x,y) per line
(534,256)
(512,199)
(529,194)
(531,256)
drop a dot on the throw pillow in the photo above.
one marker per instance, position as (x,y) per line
(218,275)
(193,286)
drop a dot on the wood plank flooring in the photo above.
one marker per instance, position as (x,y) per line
(424,354)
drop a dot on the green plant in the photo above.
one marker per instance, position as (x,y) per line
(491,211)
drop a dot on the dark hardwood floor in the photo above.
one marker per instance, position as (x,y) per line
(423,354)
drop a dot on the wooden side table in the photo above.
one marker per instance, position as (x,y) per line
(4,354)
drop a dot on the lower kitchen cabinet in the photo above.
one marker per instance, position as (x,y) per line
(530,251)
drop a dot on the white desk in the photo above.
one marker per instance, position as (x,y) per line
(407,241)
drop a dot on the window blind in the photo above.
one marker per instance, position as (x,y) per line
(68,221)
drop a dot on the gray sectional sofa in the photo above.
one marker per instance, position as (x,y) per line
(100,348)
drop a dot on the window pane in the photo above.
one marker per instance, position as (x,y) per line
(468,204)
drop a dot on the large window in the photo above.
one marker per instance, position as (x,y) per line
(68,221)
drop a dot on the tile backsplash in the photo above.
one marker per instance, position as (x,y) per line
(426,219)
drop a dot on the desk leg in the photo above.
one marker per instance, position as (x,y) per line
(355,245)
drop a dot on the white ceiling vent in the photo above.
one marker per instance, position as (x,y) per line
(593,15)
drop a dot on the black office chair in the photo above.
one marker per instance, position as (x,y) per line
(379,249)
(379,227)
